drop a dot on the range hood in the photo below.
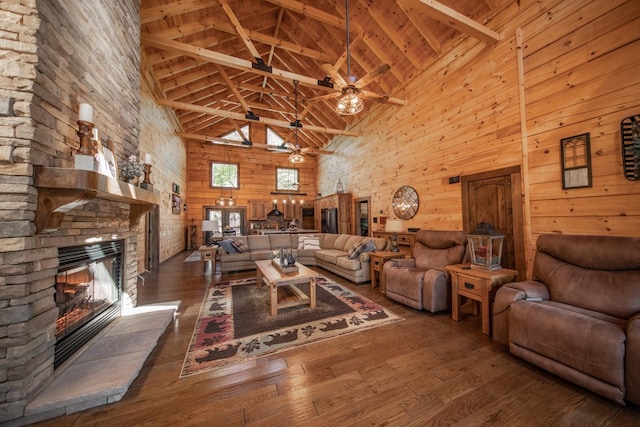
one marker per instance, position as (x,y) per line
(274,211)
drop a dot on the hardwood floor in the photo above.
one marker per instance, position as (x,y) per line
(425,370)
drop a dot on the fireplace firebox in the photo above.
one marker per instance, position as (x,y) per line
(87,293)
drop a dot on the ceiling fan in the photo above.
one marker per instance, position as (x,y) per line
(351,92)
(296,152)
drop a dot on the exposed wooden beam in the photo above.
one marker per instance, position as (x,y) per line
(454,19)
(240,116)
(226,60)
(177,7)
(426,33)
(383,23)
(233,89)
(311,12)
(240,31)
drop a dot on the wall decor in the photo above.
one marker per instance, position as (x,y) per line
(175,188)
(175,204)
(405,202)
(630,137)
(576,161)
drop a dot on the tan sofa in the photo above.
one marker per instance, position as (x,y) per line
(332,253)
(580,316)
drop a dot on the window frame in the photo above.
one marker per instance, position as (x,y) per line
(297,175)
(211,175)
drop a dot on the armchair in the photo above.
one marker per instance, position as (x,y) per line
(422,282)
(579,318)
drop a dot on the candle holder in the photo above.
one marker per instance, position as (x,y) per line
(146,183)
(85,132)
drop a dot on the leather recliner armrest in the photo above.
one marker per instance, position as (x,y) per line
(509,293)
(400,263)
(632,360)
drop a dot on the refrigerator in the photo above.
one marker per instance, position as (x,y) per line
(330,220)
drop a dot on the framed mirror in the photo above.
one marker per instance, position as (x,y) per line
(405,202)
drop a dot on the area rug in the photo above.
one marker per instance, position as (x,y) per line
(234,324)
(195,256)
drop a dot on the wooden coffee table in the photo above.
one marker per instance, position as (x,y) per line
(282,286)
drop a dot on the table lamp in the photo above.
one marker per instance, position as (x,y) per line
(394,226)
(209,226)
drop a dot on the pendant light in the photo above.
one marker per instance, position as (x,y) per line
(349,103)
(296,156)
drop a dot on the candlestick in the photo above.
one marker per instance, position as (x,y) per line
(85,132)
(85,113)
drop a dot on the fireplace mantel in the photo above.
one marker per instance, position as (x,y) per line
(61,190)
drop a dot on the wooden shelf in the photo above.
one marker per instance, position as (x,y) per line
(62,189)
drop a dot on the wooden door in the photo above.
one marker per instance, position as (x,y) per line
(495,198)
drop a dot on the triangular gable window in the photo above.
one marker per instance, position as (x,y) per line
(235,135)
(274,139)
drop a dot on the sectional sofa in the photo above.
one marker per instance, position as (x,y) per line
(343,254)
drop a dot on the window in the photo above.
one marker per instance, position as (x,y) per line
(235,135)
(287,179)
(224,175)
(274,139)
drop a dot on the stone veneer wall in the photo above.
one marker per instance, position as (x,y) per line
(55,54)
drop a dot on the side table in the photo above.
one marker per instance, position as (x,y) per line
(208,255)
(478,285)
(377,260)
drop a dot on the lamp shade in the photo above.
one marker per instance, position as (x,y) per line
(210,225)
(394,226)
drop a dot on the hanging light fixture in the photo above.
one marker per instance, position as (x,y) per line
(226,201)
(296,156)
(349,103)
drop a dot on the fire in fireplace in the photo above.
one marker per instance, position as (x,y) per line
(87,293)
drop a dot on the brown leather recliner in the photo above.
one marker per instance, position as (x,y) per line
(422,282)
(580,316)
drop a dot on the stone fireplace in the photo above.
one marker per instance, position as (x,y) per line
(88,288)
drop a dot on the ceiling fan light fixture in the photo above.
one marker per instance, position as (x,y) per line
(296,157)
(349,104)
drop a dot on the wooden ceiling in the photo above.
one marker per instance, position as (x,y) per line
(209,59)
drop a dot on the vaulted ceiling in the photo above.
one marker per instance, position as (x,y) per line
(222,63)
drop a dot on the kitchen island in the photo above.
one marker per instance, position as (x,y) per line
(267,231)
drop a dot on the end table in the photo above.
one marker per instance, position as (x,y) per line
(377,260)
(209,255)
(478,285)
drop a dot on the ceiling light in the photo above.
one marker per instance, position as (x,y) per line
(296,157)
(350,103)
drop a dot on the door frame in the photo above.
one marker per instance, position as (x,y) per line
(357,212)
(517,207)
(152,239)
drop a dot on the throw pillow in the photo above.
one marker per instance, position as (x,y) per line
(356,250)
(240,245)
(228,246)
(303,238)
(312,243)
(369,246)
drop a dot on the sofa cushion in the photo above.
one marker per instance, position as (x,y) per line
(279,241)
(240,245)
(352,241)
(587,341)
(341,242)
(348,264)
(261,254)
(258,242)
(380,243)
(237,256)
(330,255)
(227,244)
(328,241)
(312,244)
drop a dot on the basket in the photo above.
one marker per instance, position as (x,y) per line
(285,270)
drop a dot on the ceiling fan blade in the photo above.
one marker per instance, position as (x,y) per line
(324,97)
(290,146)
(373,75)
(378,97)
(328,68)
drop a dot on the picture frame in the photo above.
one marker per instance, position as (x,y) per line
(106,162)
(175,204)
(175,188)
(575,152)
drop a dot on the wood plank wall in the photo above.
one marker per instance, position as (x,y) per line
(257,174)
(580,74)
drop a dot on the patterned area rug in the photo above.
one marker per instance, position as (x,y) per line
(195,256)
(234,324)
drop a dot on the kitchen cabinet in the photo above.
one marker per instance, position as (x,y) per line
(258,210)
